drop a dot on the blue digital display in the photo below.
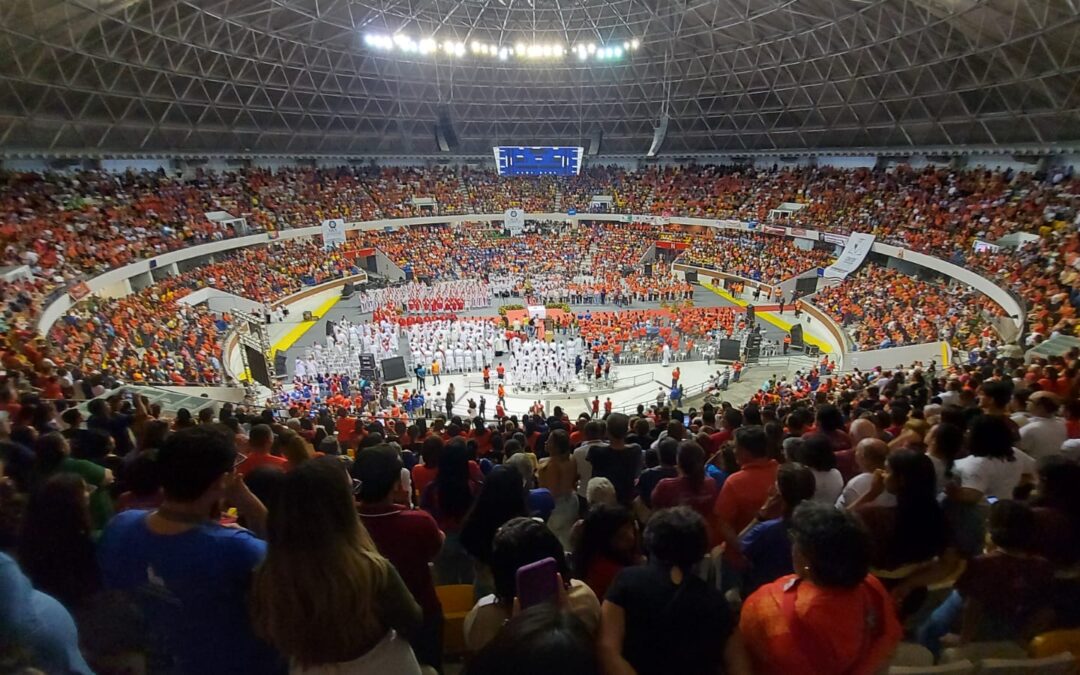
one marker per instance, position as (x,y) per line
(534,161)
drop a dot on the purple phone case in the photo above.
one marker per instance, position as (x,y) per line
(537,582)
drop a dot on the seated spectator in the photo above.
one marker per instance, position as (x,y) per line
(1004,594)
(816,454)
(660,617)
(410,540)
(831,616)
(540,640)
(348,616)
(190,574)
(520,542)
(765,543)
(38,632)
(870,454)
(607,544)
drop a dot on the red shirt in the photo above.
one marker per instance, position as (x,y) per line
(257,459)
(744,492)
(409,540)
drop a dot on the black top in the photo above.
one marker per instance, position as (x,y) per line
(671,629)
(621,467)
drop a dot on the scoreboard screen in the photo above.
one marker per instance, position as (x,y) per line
(536,161)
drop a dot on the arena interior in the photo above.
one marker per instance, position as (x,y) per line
(635,337)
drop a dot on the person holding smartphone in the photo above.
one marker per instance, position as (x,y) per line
(519,543)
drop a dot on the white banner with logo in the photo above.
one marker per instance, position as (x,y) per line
(514,220)
(537,312)
(333,232)
(853,255)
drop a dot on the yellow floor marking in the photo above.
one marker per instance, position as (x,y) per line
(825,347)
(296,332)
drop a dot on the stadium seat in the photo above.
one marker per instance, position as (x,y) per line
(456,602)
(911,655)
(1055,642)
(1061,664)
(958,668)
(978,651)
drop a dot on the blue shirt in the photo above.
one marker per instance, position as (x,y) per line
(768,549)
(193,589)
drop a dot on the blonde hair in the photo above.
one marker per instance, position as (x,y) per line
(600,490)
(314,597)
(295,448)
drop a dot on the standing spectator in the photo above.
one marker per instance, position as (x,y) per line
(608,543)
(54,456)
(660,617)
(993,468)
(190,574)
(260,442)
(346,618)
(448,498)
(692,487)
(870,454)
(56,548)
(1045,432)
(502,497)
(409,539)
(619,462)
(747,489)
(541,640)
(558,474)
(667,453)
(816,454)
(520,542)
(116,424)
(831,616)
(766,544)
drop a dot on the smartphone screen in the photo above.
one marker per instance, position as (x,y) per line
(538,582)
(240,457)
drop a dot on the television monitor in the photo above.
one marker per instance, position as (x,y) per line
(538,161)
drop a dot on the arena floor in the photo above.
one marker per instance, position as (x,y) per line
(642,381)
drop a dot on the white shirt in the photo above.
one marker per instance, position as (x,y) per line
(993,477)
(860,485)
(829,484)
(584,467)
(1043,436)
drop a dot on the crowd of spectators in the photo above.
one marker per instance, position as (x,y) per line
(66,227)
(807,534)
(882,307)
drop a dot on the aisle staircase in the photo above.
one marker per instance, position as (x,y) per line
(558,200)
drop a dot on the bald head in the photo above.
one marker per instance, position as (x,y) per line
(862,429)
(870,454)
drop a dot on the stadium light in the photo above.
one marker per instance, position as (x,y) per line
(427,46)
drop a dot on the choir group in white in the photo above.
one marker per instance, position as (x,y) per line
(341,353)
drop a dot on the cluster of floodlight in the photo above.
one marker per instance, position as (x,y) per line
(531,51)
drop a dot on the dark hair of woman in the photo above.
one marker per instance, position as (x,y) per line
(452,481)
(921,532)
(154,433)
(948,441)
(676,538)
(832,542)
(691,460)
(50,449)
(991,436)
(817,453)
(501,498)
(519,542)
(796,484)
(829,418)
(541,640)
(56,549)
(597,534)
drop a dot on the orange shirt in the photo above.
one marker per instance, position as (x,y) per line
(744,492)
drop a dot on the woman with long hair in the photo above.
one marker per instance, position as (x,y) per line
(608,543)
(993,468)
(448,499)
(295,448)
(691,487)
(54,456)
(324,596)
(502,497)
(56,548)
(943,444)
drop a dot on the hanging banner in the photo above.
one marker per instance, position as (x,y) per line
(333,232)
(514,220)
(853,255)
(834,238)
(771,229)
(804,233)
